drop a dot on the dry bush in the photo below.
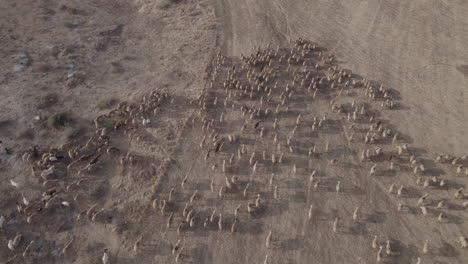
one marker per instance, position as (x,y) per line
(163,4)
(111,122)
(59,120)
(26,133)
(107,103)
(116,67)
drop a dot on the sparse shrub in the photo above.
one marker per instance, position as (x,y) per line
(116,67)
(111,122)
(43,133)
(27,133)
(70,25)
(70,10)
(163,4)
(47,101)
(107,103)
(59,120)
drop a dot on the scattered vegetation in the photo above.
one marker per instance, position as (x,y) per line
(70,25)
(163,4)
(107,103)
(70,10)
(59,120)
(43,133)
(116,67)
(47,101)
(111,122)
(27,133)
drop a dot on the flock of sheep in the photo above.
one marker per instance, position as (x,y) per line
(272,91)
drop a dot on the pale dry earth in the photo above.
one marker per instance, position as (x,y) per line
(126,49)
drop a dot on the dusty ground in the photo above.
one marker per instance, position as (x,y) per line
(83,58)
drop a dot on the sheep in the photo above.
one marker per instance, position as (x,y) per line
(220,222)
(335,225)
(373,170)
(189,215)
(137,243)
(251,208)
(275,193)
(26,250)
(14,243)
(356,214)
(176,247)
(163,207)
(337,188)
(184,181)
(400,150)
(246,189)
(155,203)
(440,204)
(105,257)
(317,183)
(422,199)
(459,193)
(400,191)
(423,210)
(95,215)
(426,247)
(171,193)
(169,220)
(379,254)
(388,248)
(257,201)
(194,195)
(179,255)
(391,188)
(254,167)
(236,211)
(374,242)
(221,192)
(269,239)
(463,242)
(180,228)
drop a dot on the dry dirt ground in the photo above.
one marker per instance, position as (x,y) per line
(83,171)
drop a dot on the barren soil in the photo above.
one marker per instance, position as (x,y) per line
(176,115)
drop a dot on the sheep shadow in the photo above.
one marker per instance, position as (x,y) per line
(358,229)
(292,244)
(405,254)
(376,218)
(447,250)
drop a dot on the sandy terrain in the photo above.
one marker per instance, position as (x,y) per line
(132,125)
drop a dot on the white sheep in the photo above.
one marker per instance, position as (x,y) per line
(269,239)
(400,191)
(356,214)
(105,257)
(374,242)
(426,247)
(463,242)
(337,188)
(388,248)
(335,225)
